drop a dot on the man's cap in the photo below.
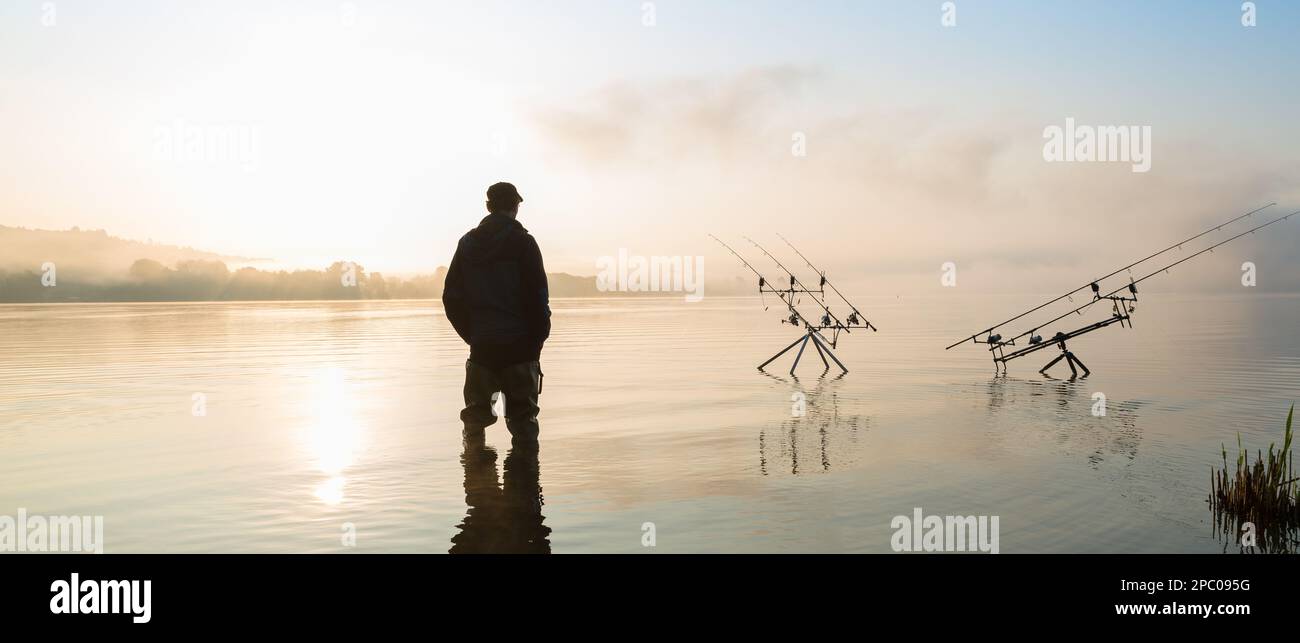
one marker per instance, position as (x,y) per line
(504,193)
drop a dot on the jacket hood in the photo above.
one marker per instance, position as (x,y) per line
(492,236)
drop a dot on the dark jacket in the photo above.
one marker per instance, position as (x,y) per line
(496,295)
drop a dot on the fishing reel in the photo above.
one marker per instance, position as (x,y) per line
(1123,305)
(993,339)
(1096,290)
(1034,337)
(826,319)
(853,318)
(793,319)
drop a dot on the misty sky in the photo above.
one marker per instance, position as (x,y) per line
(370,129)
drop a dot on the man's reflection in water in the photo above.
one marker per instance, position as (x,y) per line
(501,519)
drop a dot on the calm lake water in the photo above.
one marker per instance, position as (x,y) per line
(276,427)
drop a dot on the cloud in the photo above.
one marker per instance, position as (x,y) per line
(899,188)
(670,121)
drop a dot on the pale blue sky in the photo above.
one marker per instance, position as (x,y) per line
(375,138)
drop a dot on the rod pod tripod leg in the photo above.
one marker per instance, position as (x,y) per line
(799,355)
(783,352)
(818,344)
(1052,363)
(1071,360)
(826,364)
(1070,356)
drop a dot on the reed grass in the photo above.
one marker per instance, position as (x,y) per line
(1264,491)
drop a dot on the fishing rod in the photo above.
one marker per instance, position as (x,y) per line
(762,281)
(794,281)
(853,316)
(1132,285)
(989,330)
(788,296)
(1122,310)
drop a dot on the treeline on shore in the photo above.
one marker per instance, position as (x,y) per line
(199,280)
(206,280)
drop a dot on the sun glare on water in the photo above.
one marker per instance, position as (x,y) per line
(333,436)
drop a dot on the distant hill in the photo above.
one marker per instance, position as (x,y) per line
(91,265)
(89,255)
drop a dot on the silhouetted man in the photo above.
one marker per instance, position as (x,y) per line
(496,297)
